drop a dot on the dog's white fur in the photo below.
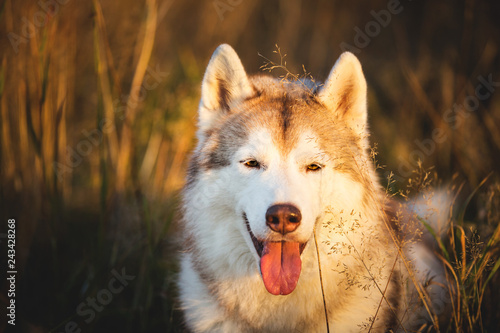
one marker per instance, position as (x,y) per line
(366,284)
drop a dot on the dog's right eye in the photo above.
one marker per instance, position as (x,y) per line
(252,164)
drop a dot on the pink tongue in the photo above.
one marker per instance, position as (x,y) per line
(280,266)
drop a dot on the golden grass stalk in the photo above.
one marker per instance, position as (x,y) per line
(101,46)
(123,161)
(321,283)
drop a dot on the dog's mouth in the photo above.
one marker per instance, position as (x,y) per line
(280,263)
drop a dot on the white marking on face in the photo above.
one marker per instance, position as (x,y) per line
(267,177)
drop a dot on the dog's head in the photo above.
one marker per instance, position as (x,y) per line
(277,153)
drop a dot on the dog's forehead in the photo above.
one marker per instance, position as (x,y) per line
(284,110)
(264,142)
(286,113)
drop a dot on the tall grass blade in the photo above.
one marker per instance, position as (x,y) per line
(436,237)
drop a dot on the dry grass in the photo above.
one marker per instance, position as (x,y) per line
(471,260)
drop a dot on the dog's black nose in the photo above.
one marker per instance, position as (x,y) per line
(283,218)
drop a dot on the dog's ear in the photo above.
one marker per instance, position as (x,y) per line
(344,92)
(225,84)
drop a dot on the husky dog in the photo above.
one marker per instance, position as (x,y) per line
(285,226)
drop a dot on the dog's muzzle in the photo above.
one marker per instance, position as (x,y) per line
(280,262)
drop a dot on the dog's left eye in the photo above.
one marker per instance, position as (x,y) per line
(313,167)
(252,164)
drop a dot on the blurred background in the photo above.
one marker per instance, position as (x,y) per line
(98,105)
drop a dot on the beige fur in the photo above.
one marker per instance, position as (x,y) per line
(286,126)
